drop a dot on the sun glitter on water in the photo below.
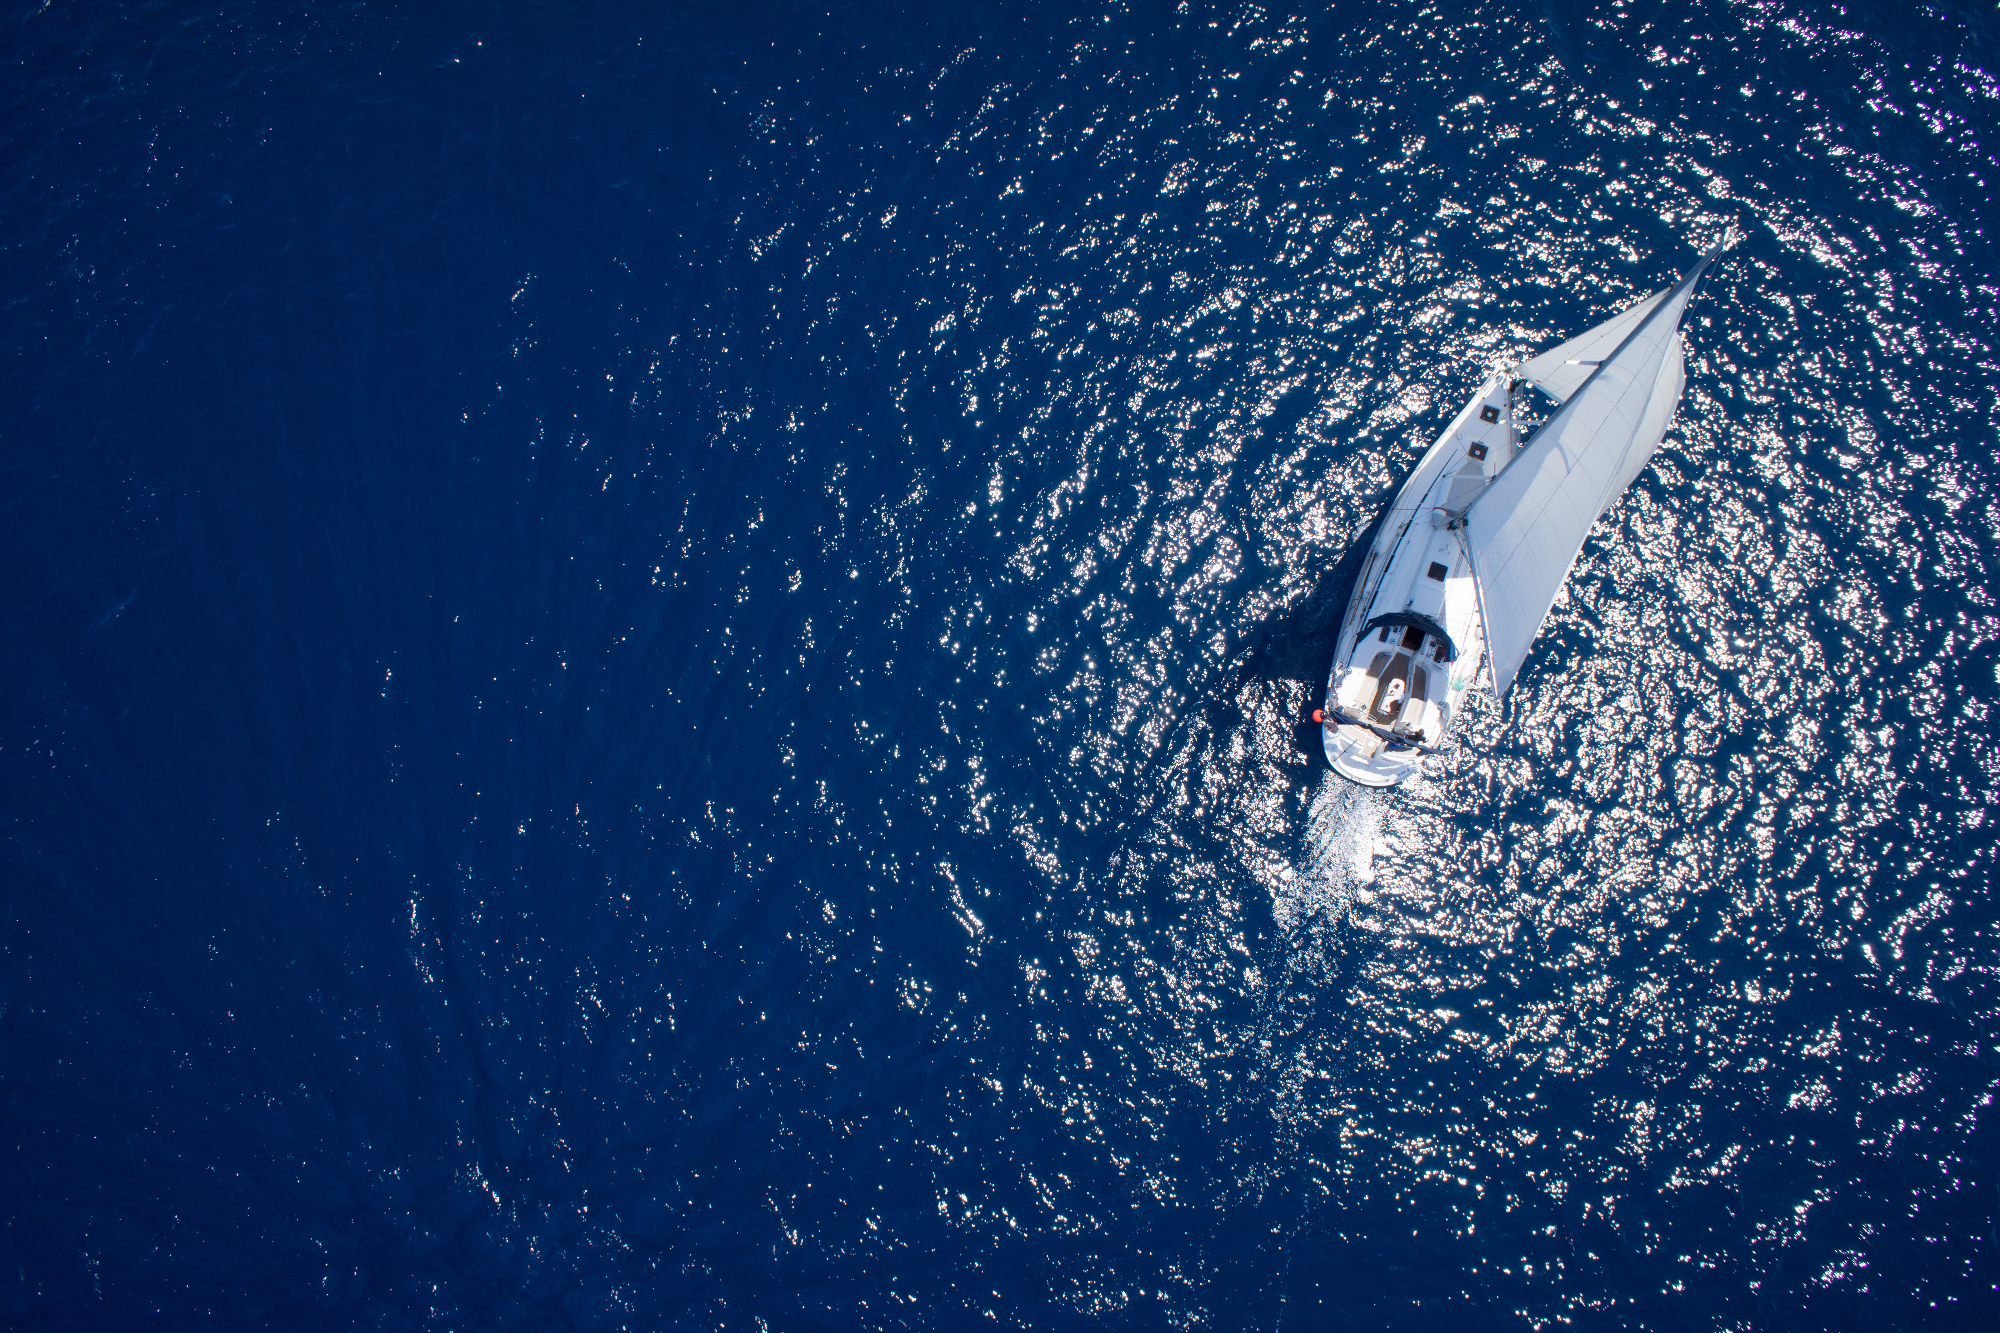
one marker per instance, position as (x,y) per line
(1340,841)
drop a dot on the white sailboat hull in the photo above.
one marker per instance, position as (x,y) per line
(1392,683)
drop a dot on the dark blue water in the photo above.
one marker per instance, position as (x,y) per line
(652,660)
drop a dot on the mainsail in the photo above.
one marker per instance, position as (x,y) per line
(1524,531)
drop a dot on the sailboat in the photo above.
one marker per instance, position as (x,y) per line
(1470,556)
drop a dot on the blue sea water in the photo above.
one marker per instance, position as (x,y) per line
(653,661)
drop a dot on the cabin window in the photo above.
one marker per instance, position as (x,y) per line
(1438,571)
(1477,451)
(1413,638)
(1489,414)
(1384,636)
(1437,651)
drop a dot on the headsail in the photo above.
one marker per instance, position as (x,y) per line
(1561,370)
(1524,531)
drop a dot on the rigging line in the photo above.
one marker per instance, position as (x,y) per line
(1479,597)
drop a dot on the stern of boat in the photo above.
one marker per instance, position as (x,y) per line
(1360,756)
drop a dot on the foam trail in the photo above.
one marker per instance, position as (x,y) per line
(1343,828)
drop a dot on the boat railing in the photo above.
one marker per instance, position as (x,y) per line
(1396,742)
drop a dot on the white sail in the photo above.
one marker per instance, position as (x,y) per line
(1561,370)
(1524,531)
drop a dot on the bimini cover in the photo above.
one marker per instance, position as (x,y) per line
(1412,620)
(1525,529)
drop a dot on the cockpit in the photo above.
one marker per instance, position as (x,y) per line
(1394,692)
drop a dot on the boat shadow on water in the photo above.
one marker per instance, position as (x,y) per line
(1292,652)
